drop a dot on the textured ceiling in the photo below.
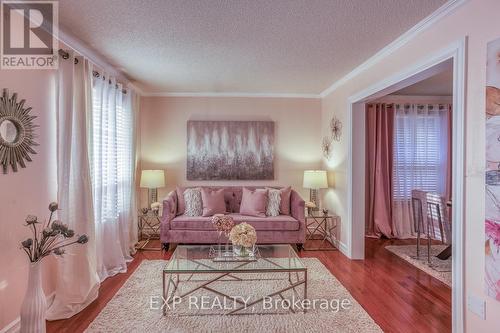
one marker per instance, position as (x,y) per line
(258,46)
(438,85)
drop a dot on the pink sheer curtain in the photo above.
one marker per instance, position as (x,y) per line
(379,162)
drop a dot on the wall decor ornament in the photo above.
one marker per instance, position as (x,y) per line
(492,179)
(335,135)
(17,132)
(230,150)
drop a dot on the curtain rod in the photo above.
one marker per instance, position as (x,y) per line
(96,74)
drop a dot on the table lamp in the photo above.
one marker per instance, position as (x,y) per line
(152,180)
(314,180)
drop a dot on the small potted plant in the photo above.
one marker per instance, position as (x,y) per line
(48,238)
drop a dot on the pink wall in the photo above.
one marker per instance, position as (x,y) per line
(479,21)
(163,133)
(28,191)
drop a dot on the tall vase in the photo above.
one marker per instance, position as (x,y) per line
(35,304)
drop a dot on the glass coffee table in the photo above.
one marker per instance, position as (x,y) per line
(194,260)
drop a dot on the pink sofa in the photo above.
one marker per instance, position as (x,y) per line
(282,229)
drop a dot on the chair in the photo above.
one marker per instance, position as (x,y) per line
(419,206)
(435,209)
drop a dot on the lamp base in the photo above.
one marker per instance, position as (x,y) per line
(152,196)
(313,197)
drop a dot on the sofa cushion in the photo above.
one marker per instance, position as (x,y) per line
(285,200)
(273,202)
(194,204)
(181,204)
(213,201)
(254,202)
(270,223)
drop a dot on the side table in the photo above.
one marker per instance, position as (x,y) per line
(321,228)
(148,229)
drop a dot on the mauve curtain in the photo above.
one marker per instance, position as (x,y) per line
(77,281)
(379,150)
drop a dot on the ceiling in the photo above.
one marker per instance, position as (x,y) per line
(239,46)
(440,84)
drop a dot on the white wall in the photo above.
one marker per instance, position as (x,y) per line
(28,191)
(297,134)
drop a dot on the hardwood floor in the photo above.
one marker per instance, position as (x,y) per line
(398,296)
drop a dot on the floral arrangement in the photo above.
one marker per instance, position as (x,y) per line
(51,237)
(493,232)
(243,234)
(155,206)
(223,223)
(310,204)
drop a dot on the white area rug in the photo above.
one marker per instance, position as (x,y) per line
(441,269)
(130,310)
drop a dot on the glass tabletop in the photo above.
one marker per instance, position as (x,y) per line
(195,259)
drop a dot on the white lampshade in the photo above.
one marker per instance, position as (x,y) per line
(315,179)
(152,178)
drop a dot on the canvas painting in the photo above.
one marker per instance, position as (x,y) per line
(492,213)
(230,150)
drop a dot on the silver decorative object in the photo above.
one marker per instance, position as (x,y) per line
(326,146)
(335,135)
(336,128)
(16,132)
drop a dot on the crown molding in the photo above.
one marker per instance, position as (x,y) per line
(230,94)
(421,26)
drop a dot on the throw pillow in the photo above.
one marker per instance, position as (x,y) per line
(285,200)
(273,202)
(213,201)
(253,203)
(181,203)
(193,201)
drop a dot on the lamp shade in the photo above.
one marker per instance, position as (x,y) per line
(152,178)
(315,179)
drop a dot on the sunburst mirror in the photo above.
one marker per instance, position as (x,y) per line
(17,132)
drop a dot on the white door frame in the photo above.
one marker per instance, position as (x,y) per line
(355,240)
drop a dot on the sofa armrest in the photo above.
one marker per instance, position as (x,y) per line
(169,210)
(297,206)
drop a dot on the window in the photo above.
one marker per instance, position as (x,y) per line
(420,150)
(112,151)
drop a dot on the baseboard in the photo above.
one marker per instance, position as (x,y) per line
(15,326)
(341,246)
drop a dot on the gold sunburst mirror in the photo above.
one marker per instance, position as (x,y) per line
(17,132)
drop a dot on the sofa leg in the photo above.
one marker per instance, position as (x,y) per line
(300,247)
(165,246)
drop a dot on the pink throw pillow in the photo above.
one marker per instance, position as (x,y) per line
(181,204)
(213,201)
(253,203)
(285,200)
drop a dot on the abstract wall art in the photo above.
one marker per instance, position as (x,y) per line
(492,179)
(230,150)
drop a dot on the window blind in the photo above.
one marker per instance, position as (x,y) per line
(419,155)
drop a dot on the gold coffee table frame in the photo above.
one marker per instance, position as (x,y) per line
(194,260)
